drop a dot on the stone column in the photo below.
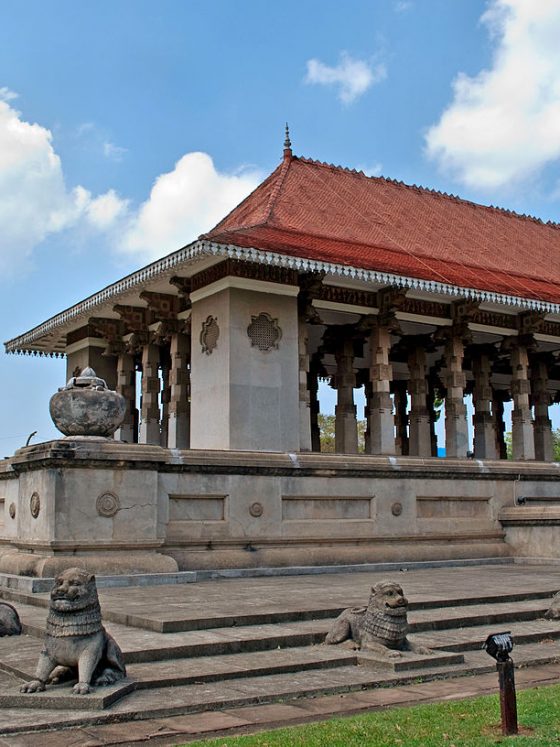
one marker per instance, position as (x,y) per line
(381,424)
(346,426)
(498,399)
(419,441)
(304,394)
(541,400)
(431,398)
(179,381)
(523,441)
(456,430)
(401,417)
(314,406)
(149,427)
(165,366)
(485,442)
(126,386)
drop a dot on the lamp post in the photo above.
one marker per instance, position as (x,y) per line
(498,646)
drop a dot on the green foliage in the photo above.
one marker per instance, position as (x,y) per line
(327,430)
(463,723)
(555,445)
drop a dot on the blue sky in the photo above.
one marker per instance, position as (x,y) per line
(129,127)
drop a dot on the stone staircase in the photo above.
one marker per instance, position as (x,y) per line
(180,661)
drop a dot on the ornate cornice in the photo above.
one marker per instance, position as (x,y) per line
(47,337)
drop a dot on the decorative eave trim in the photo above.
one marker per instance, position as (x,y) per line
(26,342)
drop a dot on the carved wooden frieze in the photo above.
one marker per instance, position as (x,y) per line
(353,296)
(162,305)
(250,270)
(136,318)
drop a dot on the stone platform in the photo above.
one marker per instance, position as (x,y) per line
(237,643)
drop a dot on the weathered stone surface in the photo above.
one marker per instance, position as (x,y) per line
(382,626)
(76,641)
(9,620)
(86,407)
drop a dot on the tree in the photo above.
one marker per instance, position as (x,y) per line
(555,445)
(327,433)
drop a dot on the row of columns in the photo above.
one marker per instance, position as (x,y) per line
(393,429)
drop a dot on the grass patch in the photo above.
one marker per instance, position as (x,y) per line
(474,722)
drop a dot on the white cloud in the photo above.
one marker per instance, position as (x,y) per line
(401,6)
(374,169)
(503,124)
(113,152)
(352,77)
(184,203)
(34,199)
(7,95)
(35,202)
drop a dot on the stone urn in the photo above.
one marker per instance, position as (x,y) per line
(86,407)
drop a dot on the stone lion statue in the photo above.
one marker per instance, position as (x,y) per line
(76,642)
(382,626)
(553,612)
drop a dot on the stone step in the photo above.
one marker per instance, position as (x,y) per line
(139,646)
(471,638)
(177,616)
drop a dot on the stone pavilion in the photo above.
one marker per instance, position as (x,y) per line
(322,273)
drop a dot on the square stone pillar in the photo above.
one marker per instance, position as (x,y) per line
(178,435)
(485,442)
(150,425)
(419,419)
(346,424)
(523,441)
(304,395)
(456,430)
(498,398)
(314,408)
(126,385)
(244,366)
(381,423)
(541,399)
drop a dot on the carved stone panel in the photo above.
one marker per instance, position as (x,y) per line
(209,335)
(264,332)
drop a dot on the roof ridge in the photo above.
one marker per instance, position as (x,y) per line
(428,190)
(284,168)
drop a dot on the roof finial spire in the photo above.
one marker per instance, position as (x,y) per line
(287,144)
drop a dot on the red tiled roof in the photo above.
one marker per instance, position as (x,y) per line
(314,210)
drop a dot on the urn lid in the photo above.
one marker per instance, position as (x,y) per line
(86,380)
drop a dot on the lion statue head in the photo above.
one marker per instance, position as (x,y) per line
(74,607)
(386,614)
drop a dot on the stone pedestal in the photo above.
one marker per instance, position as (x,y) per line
(89,502)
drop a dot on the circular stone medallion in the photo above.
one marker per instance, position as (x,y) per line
(12,510)
(396,509)
(35,505)
(256,509)
(107,504)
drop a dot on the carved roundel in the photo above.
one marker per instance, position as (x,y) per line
(35,505)
(12,510)
(209,335)
(397,509)
(264,332)
(107,504)
(256,509)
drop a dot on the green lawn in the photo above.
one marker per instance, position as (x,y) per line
(466,723)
